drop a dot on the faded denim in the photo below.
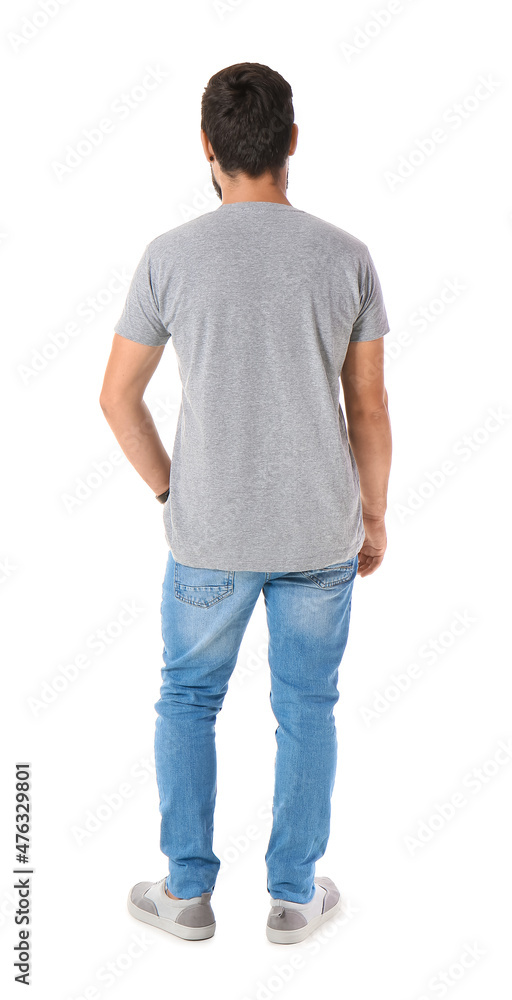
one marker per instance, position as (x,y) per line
(204,616)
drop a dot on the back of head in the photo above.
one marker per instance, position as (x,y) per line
(247,114)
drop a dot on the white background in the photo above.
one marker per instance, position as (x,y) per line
(411,910)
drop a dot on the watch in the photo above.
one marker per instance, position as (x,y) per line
(163,496)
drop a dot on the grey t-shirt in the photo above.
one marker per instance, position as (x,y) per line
(260,300)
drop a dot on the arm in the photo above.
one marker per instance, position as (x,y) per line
(369,433)
(129,369)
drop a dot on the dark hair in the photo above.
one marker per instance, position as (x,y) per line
(247,114)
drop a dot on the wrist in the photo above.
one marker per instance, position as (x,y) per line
(373,516)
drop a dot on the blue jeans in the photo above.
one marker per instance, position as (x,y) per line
(205,613)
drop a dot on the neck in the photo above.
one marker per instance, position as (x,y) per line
(254,192)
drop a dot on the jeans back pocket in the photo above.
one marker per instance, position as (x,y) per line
(334,574)
(202,587)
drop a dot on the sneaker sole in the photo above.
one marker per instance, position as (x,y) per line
(166,924)
(292,937)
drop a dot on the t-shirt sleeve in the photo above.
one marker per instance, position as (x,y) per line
(140,319)
(371,321)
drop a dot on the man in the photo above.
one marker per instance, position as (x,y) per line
(267,306)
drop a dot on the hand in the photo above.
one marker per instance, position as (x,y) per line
(374,546)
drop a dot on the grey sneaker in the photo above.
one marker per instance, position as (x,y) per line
(192,919)
(292,922)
